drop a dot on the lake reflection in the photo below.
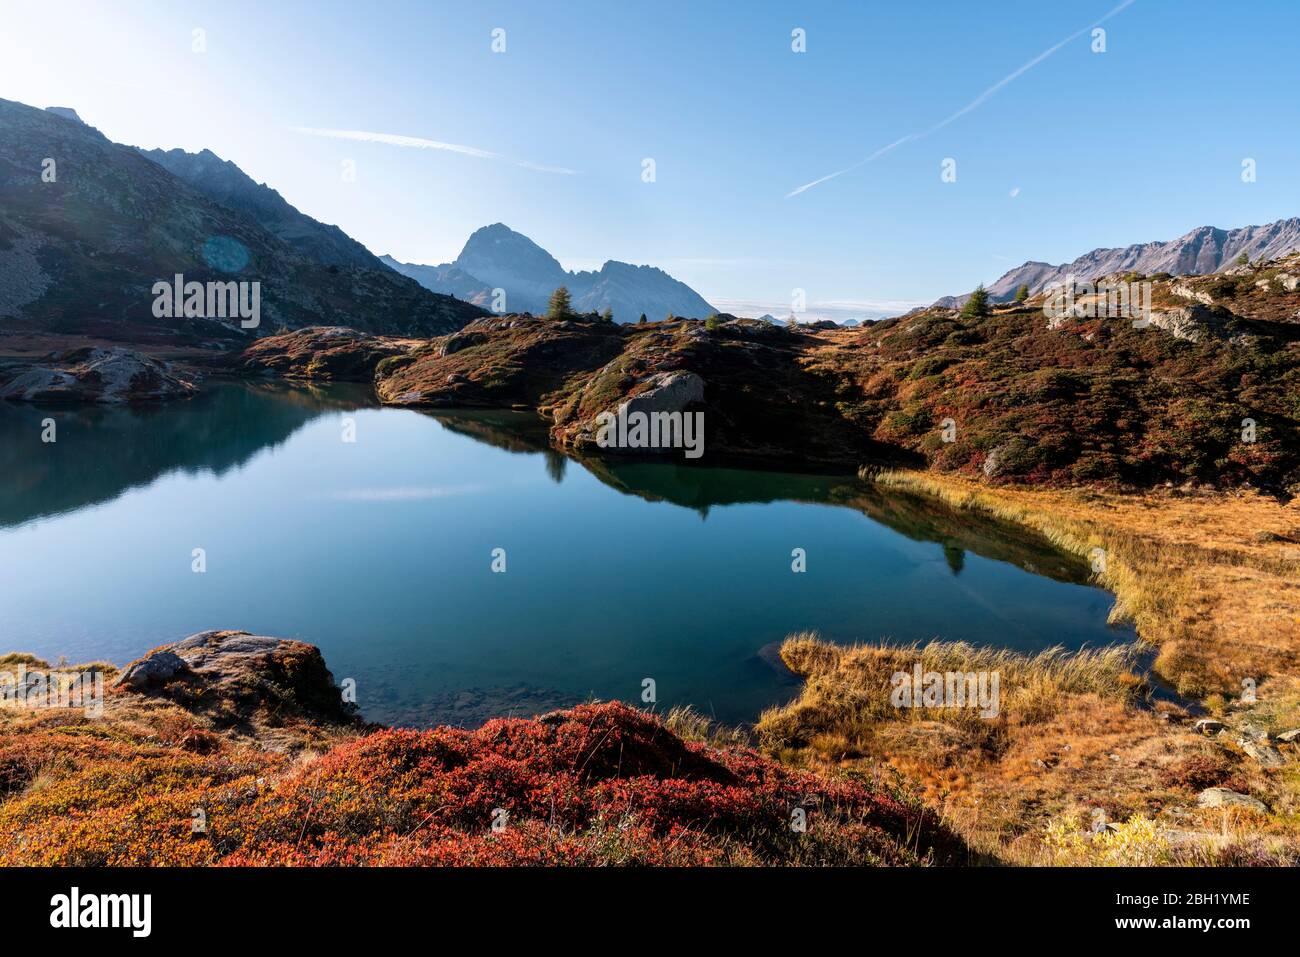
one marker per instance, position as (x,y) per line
(380,551)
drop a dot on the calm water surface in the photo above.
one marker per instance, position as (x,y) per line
(380,551)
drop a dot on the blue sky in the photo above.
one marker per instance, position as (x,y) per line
(1142,142)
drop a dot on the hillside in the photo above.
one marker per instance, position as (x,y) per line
(1029,399)
(79,253)
(227,184)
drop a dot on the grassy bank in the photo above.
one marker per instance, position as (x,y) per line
(1211,582)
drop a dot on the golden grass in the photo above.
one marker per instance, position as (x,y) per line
(1210,580)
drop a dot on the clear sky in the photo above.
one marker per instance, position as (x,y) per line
(1081,149)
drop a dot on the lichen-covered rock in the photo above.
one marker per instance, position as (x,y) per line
(1190,323)
(321,353)
(111,376)
(1223,797)
(241,676)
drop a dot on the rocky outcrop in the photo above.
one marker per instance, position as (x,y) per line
(320,353)
(239,678)
(111,376)
(1190,323)
(500,361)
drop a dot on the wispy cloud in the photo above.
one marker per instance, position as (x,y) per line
(972,105)
(420,143)
(407,493)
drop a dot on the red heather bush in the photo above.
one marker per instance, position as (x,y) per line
(600,784)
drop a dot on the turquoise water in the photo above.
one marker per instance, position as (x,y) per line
(380,552)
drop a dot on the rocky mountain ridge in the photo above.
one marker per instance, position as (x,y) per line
(497,257)
(1204,250)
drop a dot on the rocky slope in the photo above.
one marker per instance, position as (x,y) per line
(228,748)
(497,257)
(1203,250)
(1012,395)
(227,184)
(83,241)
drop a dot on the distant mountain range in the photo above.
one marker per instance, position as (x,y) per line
(1203,250)
(87,226)
(497,257)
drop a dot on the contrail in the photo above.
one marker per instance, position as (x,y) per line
(973,104)
(419,142)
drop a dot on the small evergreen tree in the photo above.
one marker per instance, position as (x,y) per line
(1243,259)
(561,304)
(1023,292)
(977,305)
(670,318)
(643,320)
(608,314)
(713,323)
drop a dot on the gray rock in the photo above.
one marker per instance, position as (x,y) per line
(1209,726)
(1263,752)
(1191,323)
(1289,737)
(670,392)
(254,673)
(1223,797)
(153,670)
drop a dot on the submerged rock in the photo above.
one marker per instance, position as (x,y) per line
(91,374)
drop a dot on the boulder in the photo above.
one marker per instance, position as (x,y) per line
(1223,797)
(667,392)
(1190,323)
(1264,753)
(153,670)
(1289,737)
(1208,726)
(242,675)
